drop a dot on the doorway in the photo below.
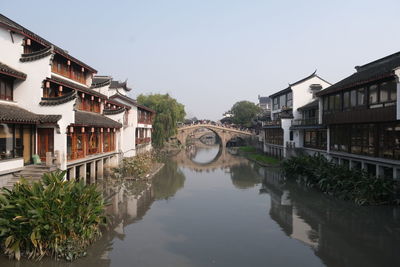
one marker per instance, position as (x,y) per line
(45,142)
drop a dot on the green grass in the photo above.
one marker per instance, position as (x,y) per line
(264,159)
(247,149)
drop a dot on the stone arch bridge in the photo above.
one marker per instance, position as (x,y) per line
(224,133)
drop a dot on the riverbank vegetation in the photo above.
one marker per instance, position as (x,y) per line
(140,166)
(51,217)
(340,181)
(251,153)
(168,113)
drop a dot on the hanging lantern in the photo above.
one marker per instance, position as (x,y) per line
(83,129)
(28,41)
(101,130)
(99,99)
(108,105)
(114,107)
(83,69)
(114,130)
(92,130)
(108,130)
(68,62)
(71,129)
(60,88)
(92,98)
(47,84)
(83,95)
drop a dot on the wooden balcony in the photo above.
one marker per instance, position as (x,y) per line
(305,122)
(145,121)
(68,73)
(272,123)
(144,140)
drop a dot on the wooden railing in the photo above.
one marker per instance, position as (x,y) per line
(144,121)
(272,123)
(144,140)
(68,73)
(308,121)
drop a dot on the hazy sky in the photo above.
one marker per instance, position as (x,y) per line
(211,53)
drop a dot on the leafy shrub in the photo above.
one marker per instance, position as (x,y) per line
(356,185)
(51,217)
(137,166)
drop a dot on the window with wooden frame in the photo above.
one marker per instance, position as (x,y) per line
(6,88)
(315,139)
(274,136)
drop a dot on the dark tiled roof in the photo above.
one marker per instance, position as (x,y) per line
(83,118)
(132,101)
(312,105)
(289,88)
(281,92)
(373,71)
(53,101)
(117,103)
(37,55)
(49,118)
(76,86)
(125,98)
(118,85)
(12,25)
(100,81)
(113,111)
(13,113)
(7,70)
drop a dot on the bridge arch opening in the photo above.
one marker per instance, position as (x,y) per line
(236,141)
(197,133)
(204,156)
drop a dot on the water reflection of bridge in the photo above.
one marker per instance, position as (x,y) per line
(224,158)
(339,233)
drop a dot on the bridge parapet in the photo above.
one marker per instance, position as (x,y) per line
(224,133)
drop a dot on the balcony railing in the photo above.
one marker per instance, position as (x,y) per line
(144,121)
(308,121)
(272,123)
(145,140)
(68,73)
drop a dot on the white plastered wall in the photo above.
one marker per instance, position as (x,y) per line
(302,94)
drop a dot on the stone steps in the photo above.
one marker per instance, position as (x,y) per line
(31,173)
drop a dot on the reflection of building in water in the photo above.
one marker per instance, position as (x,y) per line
(283,211)
(128,202)
(340,233)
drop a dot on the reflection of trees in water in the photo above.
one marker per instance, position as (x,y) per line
(341,233)
(244,175)
(168,181)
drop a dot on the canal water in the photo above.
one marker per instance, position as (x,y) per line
(208,207)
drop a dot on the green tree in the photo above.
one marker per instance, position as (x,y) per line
(168,113)
(244,112)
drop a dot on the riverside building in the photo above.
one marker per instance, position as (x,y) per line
(280,135)
(50,106)
(354,122)
(362,115)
